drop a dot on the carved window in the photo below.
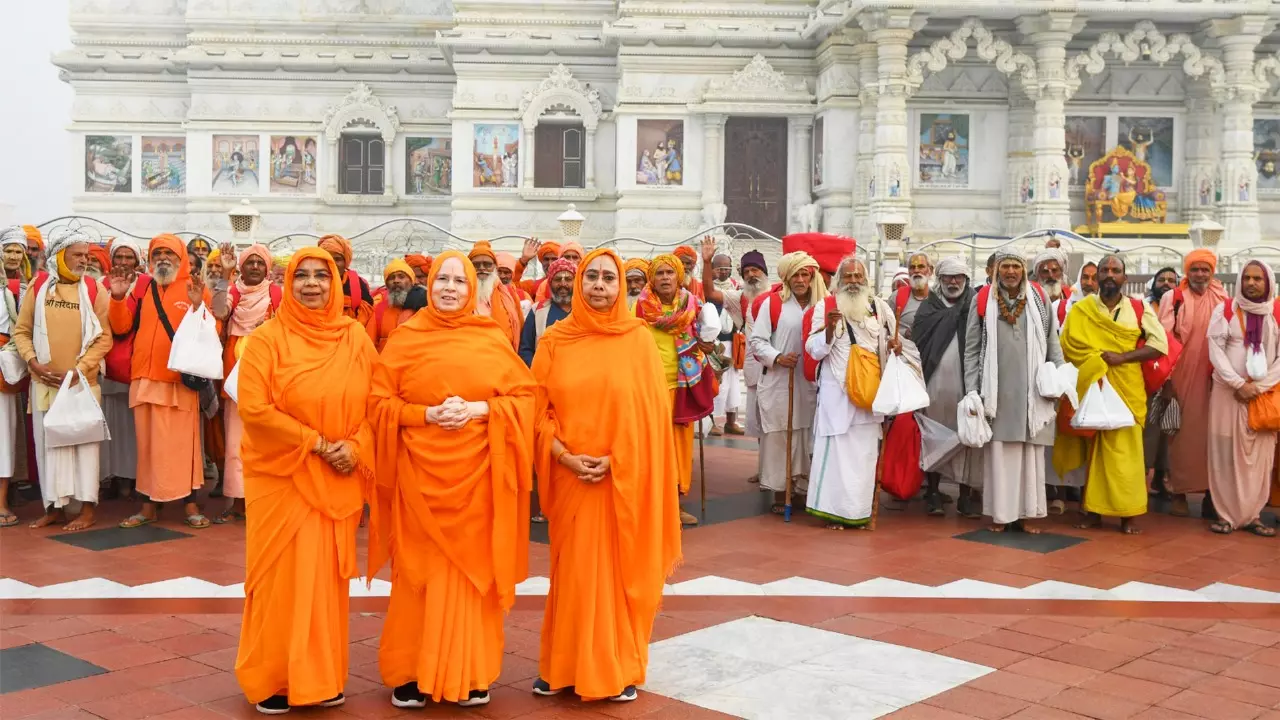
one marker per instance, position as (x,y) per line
(362,165)
(560,160)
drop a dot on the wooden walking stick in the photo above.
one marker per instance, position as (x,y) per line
(791,394)
(702,472)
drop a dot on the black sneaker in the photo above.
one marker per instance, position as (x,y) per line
(475,699)
(627,695)
(543,688)
(408,696)
(274,705)
(334,701)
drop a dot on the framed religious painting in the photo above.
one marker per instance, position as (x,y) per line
(293,164)
(1266,154)
(1150,139)
(164,165)
(496,157)
(1086,144)
(108,163)
(942,154)
(235,163)
(660,153)
(428,166)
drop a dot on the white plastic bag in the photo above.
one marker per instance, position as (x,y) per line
(11,365)
(1102,408)
(1255,364)
(231,386)
(196,349)
(74,418)
(901,390)
(1055,381)
(938,443)
(971,422)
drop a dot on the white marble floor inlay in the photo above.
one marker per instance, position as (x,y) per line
(706,586)
(763,669)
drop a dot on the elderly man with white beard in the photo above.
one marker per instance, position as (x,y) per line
(847,437)
(730,395)
(1049,266)
(777,340)
(908,298)
(1010,333)
(939,334)
(737,302)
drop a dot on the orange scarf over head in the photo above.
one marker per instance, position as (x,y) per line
(464,491)
(602,391)
(304,374)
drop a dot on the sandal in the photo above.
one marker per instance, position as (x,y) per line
(1222,528)
(778,509)
(136,521)
(539,519)
(835,526)
(8,519)
(228,516)
(1259,529)
(197,521)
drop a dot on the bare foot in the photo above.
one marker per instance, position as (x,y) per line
(1029,529)
(1089,522)
(998,527)
(84,520)
(1129,527)
(49,518)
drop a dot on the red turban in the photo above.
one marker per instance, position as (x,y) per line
(99,253)
(336,244)
(684,252)
(33,236)
(548,248)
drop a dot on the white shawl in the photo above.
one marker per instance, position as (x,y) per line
(90,328)
(1040,411)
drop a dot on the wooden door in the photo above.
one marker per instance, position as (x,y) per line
(755,173)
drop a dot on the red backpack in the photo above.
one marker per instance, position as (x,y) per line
(233,300)
(901,299)
(120,356)
(42,277)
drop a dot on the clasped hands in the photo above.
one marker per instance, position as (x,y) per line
(338,454)
(454,413)
(1247,392)
(587,468)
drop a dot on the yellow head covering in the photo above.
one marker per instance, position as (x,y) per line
(395,266)
(670,261)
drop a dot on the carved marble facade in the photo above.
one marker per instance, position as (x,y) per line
(951,116)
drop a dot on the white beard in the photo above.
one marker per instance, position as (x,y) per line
(752,290)
(397,298)
(919,282)
(165,276)
(1054,289)
(855,305)
(486,285)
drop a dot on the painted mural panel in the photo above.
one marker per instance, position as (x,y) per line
(1266,153)
(293,164)
(660,152)
(108,163)
(944,150)
(236,159)
(164,165)
(1086,144)
(428,166)
(496,156)
(1151,140)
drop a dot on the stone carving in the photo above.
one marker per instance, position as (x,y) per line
(758,80)
(561,89)
(1145,42)
(954,47)
(361,104)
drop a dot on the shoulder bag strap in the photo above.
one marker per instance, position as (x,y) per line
(164,319)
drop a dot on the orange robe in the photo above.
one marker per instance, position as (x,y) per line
(1189,449)
(505,311)
(382,321)
(613,543)
(166,413)
(304,374)
(452,506)
(358,309)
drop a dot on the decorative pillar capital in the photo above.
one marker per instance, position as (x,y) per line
(891,26)
(1053,27)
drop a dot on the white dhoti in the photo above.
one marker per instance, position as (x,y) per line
(11,444)
(843,479)
(753,413)
(730,394)
(120,453)
(1014,482)
(66,473)
(1074,478)
(773,460)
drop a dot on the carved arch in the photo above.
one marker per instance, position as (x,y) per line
(561,90)
(1146,42)
(361,105)
(1264,72)
(955,47)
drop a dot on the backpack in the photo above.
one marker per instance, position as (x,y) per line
(775,308)
(901,299)
(1228,313)
(120,357)
(233,300)
(984,292)
(43,276)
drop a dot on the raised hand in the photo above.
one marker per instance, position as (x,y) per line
(530,250)
(195,291)
(708,249)
(227,259)
(119,281)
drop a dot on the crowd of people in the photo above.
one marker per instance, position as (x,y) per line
(459,401)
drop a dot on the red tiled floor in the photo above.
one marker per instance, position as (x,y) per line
(1209,706)
(1021,687)
(977,703)
(1144,669)
(1129,688)
(1094,705)
(1241,690)
(1086,656)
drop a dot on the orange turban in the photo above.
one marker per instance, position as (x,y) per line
(480,249)
(1201,255)
(174,243)
(419,261)
(99,252)
(507,261)
(33,236)
(548,248)
(396,266)
(668,261)
(574,247)
(336,244)
(684,252)
(636,264)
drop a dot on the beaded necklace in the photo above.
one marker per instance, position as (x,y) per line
(1011,314)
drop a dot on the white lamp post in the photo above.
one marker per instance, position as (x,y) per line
(892,229)
(244,222)
(1205,233)
(570,224)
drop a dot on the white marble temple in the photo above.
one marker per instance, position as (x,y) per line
(764,669)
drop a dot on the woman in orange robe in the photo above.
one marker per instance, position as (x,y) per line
(305,377)
(452,408)
(607,471)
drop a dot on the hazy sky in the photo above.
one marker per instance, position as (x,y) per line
(36,179)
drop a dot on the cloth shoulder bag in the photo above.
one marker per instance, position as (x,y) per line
(192,382)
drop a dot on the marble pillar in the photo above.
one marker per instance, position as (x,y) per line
(1049,33)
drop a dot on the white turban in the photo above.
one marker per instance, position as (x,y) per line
(13,235)
(128,242)
(794,262)
(1009,254)
(953,265)
(1049,254)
